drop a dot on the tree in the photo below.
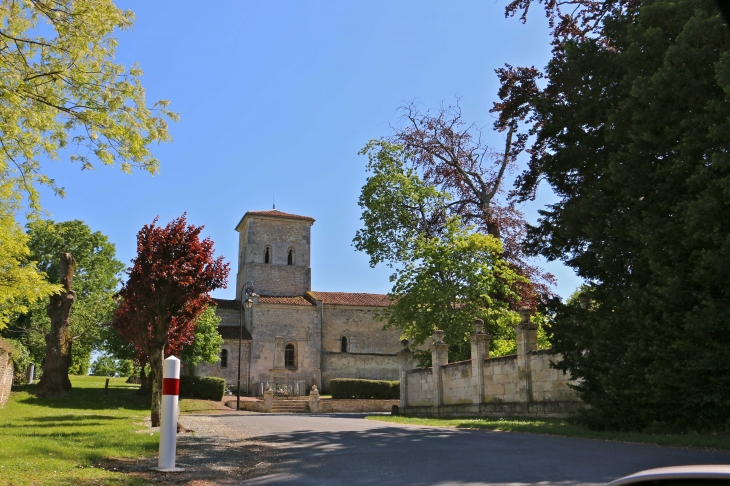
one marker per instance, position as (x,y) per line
(446,283)
(447,155)
(63,94)
(104,365)
(54,381)
(21,283)
(95,283)
(630,133)
(167,290)
(207,340)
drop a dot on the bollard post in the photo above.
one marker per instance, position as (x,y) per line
(168,415)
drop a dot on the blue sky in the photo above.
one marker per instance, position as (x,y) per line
(277,98)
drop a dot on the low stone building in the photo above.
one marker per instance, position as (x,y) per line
(293,337)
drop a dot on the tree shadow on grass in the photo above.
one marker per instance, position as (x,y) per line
(91,399)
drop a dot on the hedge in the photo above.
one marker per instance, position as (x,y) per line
(352,388)
(205,387)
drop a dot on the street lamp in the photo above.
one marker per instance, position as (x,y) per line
(247,303)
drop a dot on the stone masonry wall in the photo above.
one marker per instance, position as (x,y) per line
(521,385)
(457,383)
(363,366)
(371,351)
(298,325)
(419,383)
(276,278)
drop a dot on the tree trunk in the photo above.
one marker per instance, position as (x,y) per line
(54,381)
(144,382)
(156,357)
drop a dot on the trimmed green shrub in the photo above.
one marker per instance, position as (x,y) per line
(352,388)
(205,387)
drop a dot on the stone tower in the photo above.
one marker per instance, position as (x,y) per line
(273,253)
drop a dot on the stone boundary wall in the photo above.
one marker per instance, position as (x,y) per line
(6,372)
(324,405)
(517,385)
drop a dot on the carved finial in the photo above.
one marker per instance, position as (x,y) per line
(585,301)
(478,326)
(525,314)
(439,336)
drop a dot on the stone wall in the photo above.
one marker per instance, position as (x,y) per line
(6,373)
(371,351)
(230,372)
(276,278)
(419,386)
(457,383)
(364,334)
(367,366)
(297,325)
(519,385)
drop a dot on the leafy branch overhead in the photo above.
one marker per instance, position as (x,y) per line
(61,94)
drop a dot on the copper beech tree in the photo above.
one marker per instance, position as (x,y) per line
(167,290)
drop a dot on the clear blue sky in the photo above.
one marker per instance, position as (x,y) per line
(276,99)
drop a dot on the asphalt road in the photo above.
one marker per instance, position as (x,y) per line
(344,449)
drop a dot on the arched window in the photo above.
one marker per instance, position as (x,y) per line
(290,358)
(343,344)
(224,358)
(290,258)
(267,255)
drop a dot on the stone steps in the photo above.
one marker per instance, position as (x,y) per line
(290,405)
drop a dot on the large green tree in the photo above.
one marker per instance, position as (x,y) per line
(632,135)
(446,273)
(95,283)
(21,283)
(64,96)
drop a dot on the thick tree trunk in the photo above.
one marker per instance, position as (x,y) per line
(54,381)
(156,357)
(144,382)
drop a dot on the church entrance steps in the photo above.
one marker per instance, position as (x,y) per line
(290,405)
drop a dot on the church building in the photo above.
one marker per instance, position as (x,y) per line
(293,336)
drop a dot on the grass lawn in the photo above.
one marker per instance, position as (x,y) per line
(563,428)
(63,441)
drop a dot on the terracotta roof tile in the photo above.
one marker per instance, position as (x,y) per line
(296,300)
(351,298)
(232,332)
(273,213)
(227,304)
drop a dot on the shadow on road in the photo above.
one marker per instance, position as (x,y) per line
(429,456)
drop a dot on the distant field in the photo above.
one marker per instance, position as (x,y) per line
(563,428)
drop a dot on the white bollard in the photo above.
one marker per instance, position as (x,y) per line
(168,415)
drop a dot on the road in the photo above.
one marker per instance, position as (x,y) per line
(344,449)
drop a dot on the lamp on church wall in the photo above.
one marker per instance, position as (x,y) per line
(246,303)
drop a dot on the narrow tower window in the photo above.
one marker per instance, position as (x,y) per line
(267,255)
(289,357)
(290,258)
(224,358)
(343,344)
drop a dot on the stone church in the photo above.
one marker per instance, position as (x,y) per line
(293,336)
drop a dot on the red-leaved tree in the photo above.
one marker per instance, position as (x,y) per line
(167,289)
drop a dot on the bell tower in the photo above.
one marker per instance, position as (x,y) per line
(273,253)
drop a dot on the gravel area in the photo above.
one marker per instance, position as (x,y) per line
(211,453)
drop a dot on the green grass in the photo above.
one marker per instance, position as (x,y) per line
(63,441)
(563,428)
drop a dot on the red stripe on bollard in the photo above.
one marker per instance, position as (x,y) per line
(171,386)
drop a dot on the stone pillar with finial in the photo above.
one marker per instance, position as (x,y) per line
(526,336)
(479,350)
(439,358)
